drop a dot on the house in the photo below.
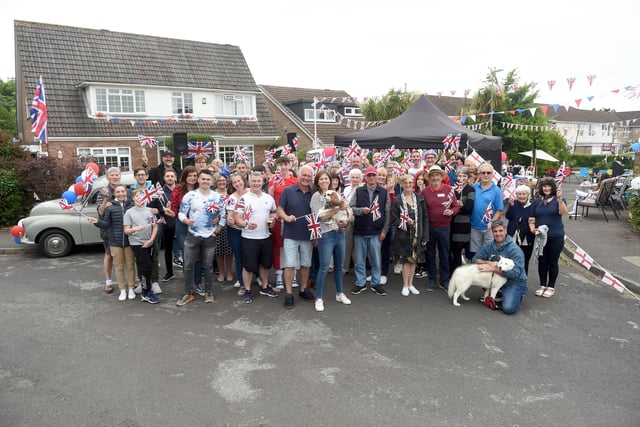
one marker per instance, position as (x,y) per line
(104,89)
(315,115)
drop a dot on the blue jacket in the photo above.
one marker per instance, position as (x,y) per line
(509,249)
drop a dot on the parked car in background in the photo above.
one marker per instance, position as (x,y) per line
(57,231)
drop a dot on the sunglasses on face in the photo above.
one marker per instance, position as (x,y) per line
(485,173)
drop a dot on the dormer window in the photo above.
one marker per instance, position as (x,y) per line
(323,115)
(120,101)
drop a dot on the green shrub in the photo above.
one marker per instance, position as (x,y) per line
(634,211)
(14,203)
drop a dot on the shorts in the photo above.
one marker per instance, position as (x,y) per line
(107,247)
(293,248)
(478,238)
(257,252)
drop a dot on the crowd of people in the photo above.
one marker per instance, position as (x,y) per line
(304,222)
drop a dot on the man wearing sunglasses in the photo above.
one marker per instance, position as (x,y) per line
(487,207)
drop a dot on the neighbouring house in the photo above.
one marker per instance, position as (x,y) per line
(103,89)
(314,115)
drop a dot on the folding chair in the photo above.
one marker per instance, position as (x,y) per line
(602,200)
(584,174)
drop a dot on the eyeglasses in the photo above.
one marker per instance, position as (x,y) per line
(141,174)
(485,173)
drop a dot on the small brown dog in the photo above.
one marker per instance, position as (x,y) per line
(333,200)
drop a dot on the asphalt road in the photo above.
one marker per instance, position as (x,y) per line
(71,355)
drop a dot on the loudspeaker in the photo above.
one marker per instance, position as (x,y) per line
(180,143)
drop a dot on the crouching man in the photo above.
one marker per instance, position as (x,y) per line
(503,245)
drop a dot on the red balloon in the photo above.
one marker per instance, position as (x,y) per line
(78,188)
(17,231)
(93,166)
(329,151)
(504,157)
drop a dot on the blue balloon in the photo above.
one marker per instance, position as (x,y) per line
(70,197)
(79,179)
(16,240)
(635,147)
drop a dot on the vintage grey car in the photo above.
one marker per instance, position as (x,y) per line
(57,231)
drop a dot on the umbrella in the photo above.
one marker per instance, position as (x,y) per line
(540,155)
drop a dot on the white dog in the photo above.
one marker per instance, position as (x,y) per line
(465,276)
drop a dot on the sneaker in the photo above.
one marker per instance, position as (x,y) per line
(405,291)
(187,298)
(280,284)
(246,298)
(150,297)
(199,290)
(132,294)
(155,287)
(307,295)
(208,298)
(319,305)
(294,284)
(379,290)
(397,269)
(421,274)
(138,289)
(268,291)
(342,298)
(288,301)
(237,284)
(241,292)
(123,295)
(498,297)
(383,280)
(357,289)
(178,262)
(443,287)
(430,288)
(413,290)
(168,276)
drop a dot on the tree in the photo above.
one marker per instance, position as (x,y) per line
(8,106)
(391,106)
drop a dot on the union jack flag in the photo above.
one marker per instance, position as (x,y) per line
(375,209)
(450,198)
(455,144)
(248,211)
(278,178)
(559,179)
(396,170)
(227,202)
(147,140)
(195,148)
(147,195)
(446,142)
(286,149)
(345,176)
(240,154)
(268,157)
(65,205)
(457,187)
(488,214)
(448,166)
(353,150)
(406,160)
(314,226)
(38,113)
(322,162)
(295,143)
(89,178)
(404,217)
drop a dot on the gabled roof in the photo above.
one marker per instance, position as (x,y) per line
(325,132)
(65,57)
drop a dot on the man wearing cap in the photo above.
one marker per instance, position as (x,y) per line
(157,174)
(487,207)
(430,157)
(371,206)
(441,207)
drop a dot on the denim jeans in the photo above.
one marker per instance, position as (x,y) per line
(330,244)
(203,249)
(178,240)
(512,295)
(235,240)
(361,246)
(438,238)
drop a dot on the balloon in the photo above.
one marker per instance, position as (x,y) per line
(635,147)
(17,231)
(70,196)
(16,240)
(79,179)
(78,188)
(504,157)
(72,188)
(93,166)
(330,151)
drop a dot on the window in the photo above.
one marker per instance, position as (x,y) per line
(352,111)
(321,115)
(234,105)
(108,156)
(226,153)
(182,103)
(125,101)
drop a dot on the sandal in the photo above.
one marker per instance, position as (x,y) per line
(549,292)
(540,291)
(108,289)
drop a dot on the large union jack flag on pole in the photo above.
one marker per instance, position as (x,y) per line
(38,113)
(195,148)
(147,140)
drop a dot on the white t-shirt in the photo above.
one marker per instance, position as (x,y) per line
(260,208)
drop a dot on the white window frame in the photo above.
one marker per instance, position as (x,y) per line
(108,156)
(114,101)
(353,111)
(324,115)
(181,103)
(225,153)
(234,105)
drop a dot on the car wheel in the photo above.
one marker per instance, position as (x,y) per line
(55,243)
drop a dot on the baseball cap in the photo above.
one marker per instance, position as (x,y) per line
(371,170)
(167,153)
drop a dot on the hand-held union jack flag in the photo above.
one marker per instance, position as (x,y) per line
(38,113)
(314,226)
(375,209)
(404,217)
(450,198)
(147,140)
(247,216)
(240,154)
(65,205)
(488,214)
(559,178)
(353,150)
